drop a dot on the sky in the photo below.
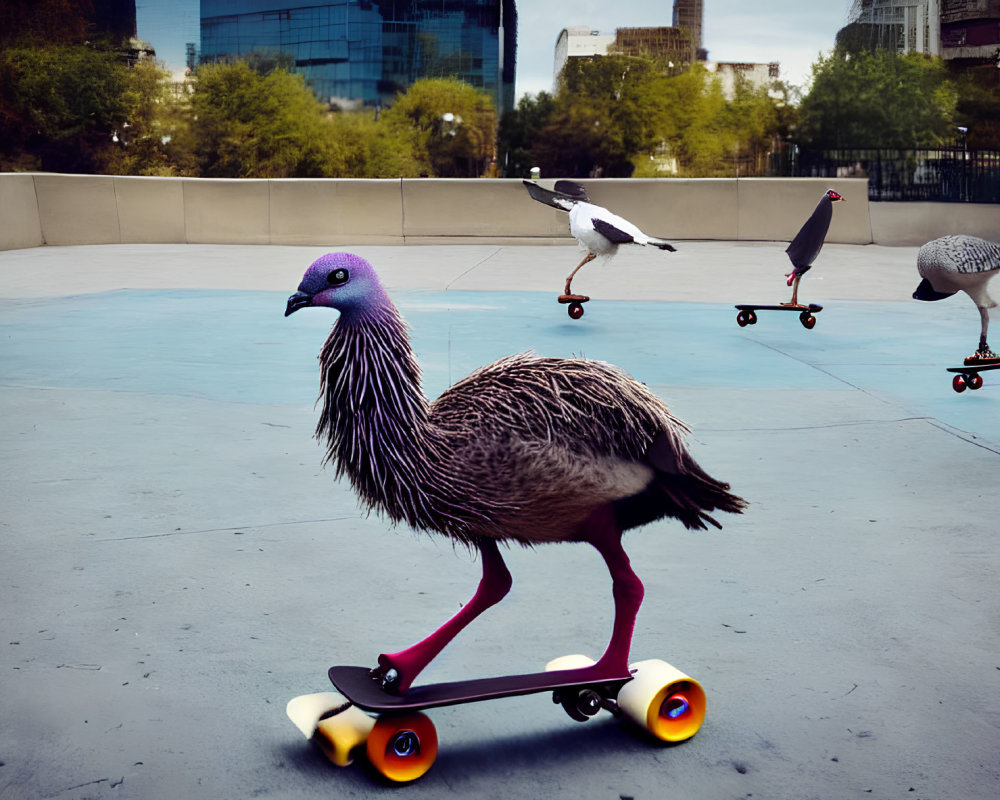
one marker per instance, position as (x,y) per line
(792,32)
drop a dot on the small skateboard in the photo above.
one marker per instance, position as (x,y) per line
(968,377)
(575,303)
(747,313)
(401,742)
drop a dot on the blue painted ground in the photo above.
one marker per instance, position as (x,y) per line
(177,564)
(235,346)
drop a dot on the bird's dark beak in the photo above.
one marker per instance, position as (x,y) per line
(927,292)
(297,301)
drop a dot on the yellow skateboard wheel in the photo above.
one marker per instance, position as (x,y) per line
(332,723)
(663,700)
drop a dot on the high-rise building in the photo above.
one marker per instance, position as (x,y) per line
(901,25)
(970,34)
(115,18)
(965,32)
(690,14)
(355,52)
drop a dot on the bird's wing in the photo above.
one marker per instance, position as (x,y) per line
(576,404)
(804,248)
(550,198)
(611,232)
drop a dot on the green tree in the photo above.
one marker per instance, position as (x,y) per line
(44,22)
(754,121)
(623,115)
(519,129)
(148,141)
(608,111)
(877,99)
(978,111)
(448,126)
(365,148)
(245,125)
(60,107)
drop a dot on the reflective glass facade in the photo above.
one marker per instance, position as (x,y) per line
(368,50)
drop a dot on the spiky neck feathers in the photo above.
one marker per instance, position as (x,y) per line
(374,410)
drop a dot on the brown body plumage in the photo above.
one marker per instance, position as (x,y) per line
(527,449)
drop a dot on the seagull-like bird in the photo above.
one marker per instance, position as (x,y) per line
(597,230)
(961,263)
(527,449)
(804,248)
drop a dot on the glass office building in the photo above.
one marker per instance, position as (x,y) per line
(365,51)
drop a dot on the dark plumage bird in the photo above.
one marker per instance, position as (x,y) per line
(526,449)
(961,263)
(597,230)
(804,248)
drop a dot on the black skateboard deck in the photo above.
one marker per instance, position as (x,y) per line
(747,312)
(575,303)
(968,377)
(364,691)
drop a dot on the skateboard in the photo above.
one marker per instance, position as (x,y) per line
(400,741)
(747,313)
(968,377)
(575,303)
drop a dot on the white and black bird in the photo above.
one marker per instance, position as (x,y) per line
(804,248)
(961,263)
(597,230)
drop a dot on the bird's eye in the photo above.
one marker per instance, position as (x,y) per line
(337,277)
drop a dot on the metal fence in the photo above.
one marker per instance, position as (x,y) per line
(946,174)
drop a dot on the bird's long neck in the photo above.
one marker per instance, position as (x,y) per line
(374,420)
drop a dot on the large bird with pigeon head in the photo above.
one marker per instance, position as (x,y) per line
(528,449)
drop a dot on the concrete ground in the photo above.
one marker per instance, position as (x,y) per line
(176,564)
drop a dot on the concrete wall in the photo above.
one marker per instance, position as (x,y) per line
(896,224)
(37,208)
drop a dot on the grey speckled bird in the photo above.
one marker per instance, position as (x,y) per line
(961,263)
(528,449)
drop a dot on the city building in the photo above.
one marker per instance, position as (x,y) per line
(115,19)
(579,41)
(672,45)
(363,52)
(757,75)
(902,25)
(970,34)
(964,32)
(690,15)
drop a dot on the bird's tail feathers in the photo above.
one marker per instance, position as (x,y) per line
(663,244)
(680,488)
(691,495)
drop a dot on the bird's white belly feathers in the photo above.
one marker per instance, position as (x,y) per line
(581,225)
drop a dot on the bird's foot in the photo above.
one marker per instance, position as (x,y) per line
(603,671)
(573,298)
(985,356)
(395,673)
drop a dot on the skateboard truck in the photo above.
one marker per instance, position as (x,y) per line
(575,304)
